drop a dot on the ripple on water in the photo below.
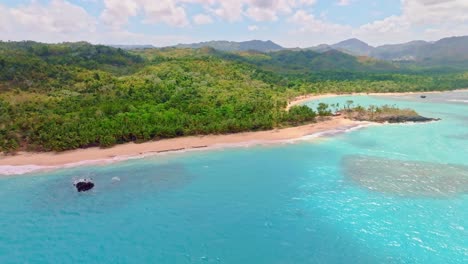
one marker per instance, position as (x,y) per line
(406,178)
(459,137)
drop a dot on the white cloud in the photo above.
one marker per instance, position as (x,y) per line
(117,12)
(344,2)
(392,24)
(309,30)
(58,19)
(229,10)
(265,10)
(308,23)
(420,19)
(202,19)
(165,11)
(307,2)
(260,14)
(253,28)
(258,10)
(62,20)
(435,11)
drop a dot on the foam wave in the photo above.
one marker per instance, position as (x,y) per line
(458,101)
(337,131)
(10,170)
(24,169)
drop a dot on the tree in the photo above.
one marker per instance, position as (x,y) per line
(323,110)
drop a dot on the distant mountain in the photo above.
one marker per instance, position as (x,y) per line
(307,61)
(354,46)
(132,47)
(399,52)
(321,48)
(453,50)
(257,45)
(448,51)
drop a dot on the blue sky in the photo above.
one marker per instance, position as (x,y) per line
(291,23)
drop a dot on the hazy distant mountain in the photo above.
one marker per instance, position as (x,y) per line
(321,48)
(447,50)
(405,51)
(454,49)
(354,46)
(132,47)
(306,61)
(257,45)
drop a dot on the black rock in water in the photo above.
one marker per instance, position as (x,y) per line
(83,185)
(404,119)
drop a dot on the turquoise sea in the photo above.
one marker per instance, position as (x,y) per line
(381,194)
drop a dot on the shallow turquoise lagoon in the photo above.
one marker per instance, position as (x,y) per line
(381,194)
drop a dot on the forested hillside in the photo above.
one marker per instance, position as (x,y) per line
(254,45)
(449,52)
(75,95)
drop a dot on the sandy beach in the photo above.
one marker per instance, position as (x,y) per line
(123,151)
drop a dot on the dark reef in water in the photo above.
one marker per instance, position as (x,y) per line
(406,119)
(83,185)
(406,177)
(394,119)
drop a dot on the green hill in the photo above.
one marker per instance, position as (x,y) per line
(354,46)
(449,53)
(255,45)
(76,95)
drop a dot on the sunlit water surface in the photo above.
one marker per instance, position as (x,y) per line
(382,194)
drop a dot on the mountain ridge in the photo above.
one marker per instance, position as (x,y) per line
(355,46)
(445,49)
(452,49)
(223,45)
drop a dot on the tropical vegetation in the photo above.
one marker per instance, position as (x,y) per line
(56,97)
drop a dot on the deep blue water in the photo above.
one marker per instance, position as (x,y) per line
(382,194)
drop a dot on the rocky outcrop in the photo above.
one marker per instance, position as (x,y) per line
(406,119)
(83,185)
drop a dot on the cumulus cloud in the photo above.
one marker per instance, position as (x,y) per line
(36,21)
(310,30)
(64,20)
(253,28)
(117,12)
(202,19)
(260,14)
(423,19)
(344,2)
(432,11)
(228,10)
(165,11)
(172,12)
(258,10)
(59,21)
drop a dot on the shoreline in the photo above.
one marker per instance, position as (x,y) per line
(308,97)
(28,162)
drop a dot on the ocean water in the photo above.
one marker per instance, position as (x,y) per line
(381,194)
